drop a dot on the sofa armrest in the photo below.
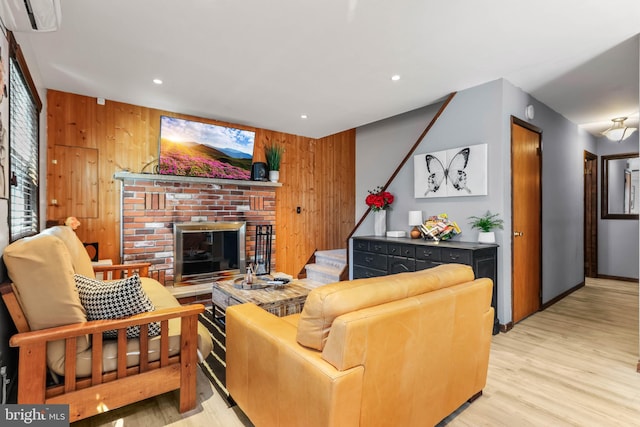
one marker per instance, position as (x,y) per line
(124,270)
(100,326)
(32,364)
(276,381)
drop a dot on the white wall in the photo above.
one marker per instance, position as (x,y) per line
(482,114)
(472,117)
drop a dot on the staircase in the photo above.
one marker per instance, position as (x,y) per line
(327,268)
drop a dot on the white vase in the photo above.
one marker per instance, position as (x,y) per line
(380,223)
(486,237)
(274,176)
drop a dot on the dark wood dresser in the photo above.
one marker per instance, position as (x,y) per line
(380,256)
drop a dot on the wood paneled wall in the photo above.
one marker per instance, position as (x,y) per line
(318,175)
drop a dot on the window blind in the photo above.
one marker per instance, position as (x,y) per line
(23,160)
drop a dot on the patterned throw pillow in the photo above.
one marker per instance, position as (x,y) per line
(114,300)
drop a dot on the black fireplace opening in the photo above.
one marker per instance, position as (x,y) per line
(214,249)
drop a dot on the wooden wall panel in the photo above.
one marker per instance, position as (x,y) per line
(318,175)
(75,171)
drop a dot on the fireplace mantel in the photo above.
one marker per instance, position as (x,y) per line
(122,176)
(152,204)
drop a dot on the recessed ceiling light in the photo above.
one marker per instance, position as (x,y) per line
(303,116)
(157,81)
(395,77)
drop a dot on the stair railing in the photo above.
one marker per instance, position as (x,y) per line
(345,272)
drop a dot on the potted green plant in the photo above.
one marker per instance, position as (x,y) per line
(486,224)
(273,152)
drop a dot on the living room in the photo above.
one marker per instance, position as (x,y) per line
(328,175)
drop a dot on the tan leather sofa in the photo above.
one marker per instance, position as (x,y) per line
(400,350)
(95,373)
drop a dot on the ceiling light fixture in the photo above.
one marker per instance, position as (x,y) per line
(157,81)
(395,77)
(618,132)
(303,116)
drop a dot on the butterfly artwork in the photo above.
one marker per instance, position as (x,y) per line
(456,172)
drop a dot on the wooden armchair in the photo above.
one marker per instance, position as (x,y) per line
(136,368)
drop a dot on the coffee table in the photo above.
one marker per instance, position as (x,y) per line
(281,302)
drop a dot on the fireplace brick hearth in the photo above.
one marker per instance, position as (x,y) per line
(151,204)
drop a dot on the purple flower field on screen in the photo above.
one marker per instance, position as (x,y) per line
(185,165)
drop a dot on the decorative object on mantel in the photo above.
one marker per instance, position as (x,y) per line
(259,171)
(155,169)
(485,224)
(439,227)
(415,219)
(379,201)
(273,152)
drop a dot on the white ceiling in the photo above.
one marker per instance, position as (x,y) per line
(264,63)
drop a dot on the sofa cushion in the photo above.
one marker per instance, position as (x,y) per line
(79,255)
(42,273)
(327,302)
(162,298)
(115,299)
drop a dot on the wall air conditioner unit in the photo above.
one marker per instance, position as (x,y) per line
(30,15)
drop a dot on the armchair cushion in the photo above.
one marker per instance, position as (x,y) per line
(115,299)
(79,255)
(42,274)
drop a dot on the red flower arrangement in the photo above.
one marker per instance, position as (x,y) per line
(379,200)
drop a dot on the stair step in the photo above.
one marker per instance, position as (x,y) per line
(333,257)
(323,273)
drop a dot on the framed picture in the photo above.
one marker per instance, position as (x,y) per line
(189,148)
(456,172)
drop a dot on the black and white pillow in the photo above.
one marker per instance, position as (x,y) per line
(114,300)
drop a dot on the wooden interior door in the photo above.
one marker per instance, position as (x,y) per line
(590,215)
(527,219)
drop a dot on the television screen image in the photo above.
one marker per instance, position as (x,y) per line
(189,148)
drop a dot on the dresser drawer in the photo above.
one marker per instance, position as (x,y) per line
(370,260)
(459,256)
(400,265)
(360,245)
(428,253)
(401,250)
(378,247)
(360,272)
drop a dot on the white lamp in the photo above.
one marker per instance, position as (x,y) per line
(618,132)
(415,219)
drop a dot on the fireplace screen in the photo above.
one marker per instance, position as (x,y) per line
(212,249)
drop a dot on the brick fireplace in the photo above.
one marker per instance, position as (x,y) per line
(151,204)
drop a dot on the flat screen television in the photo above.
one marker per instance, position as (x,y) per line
(189,148)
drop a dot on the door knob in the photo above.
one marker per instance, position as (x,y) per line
(518,234)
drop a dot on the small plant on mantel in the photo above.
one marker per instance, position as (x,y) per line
(273,152)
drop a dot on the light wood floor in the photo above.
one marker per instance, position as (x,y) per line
(573,364)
